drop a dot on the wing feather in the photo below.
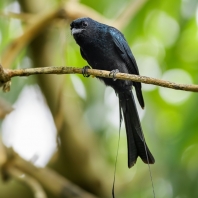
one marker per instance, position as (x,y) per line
(124,50)
(128,58)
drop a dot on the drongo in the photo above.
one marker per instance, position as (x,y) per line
(105,48)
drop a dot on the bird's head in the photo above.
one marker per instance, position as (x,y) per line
(84,29)
(79,25)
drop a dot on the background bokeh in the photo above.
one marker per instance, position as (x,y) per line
(70,123)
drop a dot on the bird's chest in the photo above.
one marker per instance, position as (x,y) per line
(104,56)
(101,56)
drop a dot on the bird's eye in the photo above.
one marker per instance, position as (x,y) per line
(84,24)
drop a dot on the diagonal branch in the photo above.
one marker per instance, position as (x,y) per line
(21,16)
(28,180)
(7,74)
(39,22)
(128,13)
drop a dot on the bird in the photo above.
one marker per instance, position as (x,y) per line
(105,48)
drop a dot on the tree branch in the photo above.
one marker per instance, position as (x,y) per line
(35,186)
(60,187)
(39,22)
(7,74)
(21,16)
(127,14)
(12,164)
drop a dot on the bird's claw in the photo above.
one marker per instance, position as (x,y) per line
(113,73)
(84,71)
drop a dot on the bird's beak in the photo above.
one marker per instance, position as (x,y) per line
(76,31)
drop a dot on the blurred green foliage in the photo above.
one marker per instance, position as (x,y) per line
(164,34)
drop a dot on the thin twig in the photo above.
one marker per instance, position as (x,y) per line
(30,181)
(8,74)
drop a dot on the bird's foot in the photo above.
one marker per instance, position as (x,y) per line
(84,71)
(113,73)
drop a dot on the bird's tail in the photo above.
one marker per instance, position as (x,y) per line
(135,138)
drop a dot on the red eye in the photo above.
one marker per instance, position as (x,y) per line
(84,24)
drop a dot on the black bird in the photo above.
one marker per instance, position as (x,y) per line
(105,48)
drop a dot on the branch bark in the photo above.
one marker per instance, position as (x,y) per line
(7,74)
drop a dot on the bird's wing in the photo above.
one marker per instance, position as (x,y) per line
(124,50)
(128,58)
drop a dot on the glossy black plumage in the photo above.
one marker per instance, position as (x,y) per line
(105,48)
